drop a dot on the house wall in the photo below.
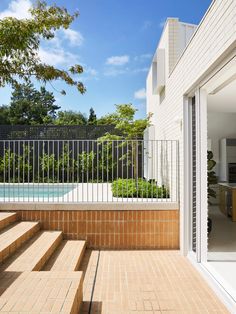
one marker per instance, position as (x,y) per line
(214,38)
(174,39)
(216,123)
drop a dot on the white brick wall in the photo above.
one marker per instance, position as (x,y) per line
(216,33)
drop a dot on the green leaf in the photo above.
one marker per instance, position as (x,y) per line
(20,41)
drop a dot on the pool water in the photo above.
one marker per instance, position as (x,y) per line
(34,191)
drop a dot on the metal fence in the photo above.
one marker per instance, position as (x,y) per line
(54,132)
(88,171)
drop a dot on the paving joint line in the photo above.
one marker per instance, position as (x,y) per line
(94,283)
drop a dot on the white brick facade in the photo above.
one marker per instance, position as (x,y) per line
(214,38)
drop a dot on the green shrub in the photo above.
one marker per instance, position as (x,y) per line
(18,168)
(138,188)
(86,166)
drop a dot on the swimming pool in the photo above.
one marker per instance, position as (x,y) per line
(34,191)
(63,193)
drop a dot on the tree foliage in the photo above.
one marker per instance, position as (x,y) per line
(125,123)
(108,119)
(70,118)
(128,128)
(19,47)
(30,106)
(92,119)
(4,115)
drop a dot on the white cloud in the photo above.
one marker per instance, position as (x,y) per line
(50,56)
(57,57)
(140,94)
(118,60)
(54,52)
(90,71)
(75,38)
(60,57)
(115,72)
(18,9)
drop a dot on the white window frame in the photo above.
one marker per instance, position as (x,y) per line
(202,201)
(201,175)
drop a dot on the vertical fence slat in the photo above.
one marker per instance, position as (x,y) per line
(97,146)
(92,168)
(66,170)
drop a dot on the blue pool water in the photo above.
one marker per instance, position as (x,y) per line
(34,191)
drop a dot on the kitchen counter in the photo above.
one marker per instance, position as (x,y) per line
(228,199)
(228,185)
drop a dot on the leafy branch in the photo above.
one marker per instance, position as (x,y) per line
(19,47)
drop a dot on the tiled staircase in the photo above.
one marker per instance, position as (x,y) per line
(38,269)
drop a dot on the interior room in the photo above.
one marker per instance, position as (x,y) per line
(222,173)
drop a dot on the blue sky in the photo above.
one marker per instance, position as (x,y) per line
(114,40)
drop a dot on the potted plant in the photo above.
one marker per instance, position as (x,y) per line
(211,179)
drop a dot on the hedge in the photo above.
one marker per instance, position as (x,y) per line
(138,188)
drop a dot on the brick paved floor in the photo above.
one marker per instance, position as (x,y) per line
(145,282)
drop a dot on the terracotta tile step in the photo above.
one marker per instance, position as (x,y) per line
(6,219)
(35,253)
(14,236)
(43,292)
(67,257)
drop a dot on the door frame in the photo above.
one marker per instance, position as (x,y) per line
(202,199)
(217,283)
(201,175)
(214,79)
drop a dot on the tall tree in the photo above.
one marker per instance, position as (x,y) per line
(92,119)
(31,106)
(70,118)
(125,123)
(129,128)
(108,119)
(4,115)
(20,40)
